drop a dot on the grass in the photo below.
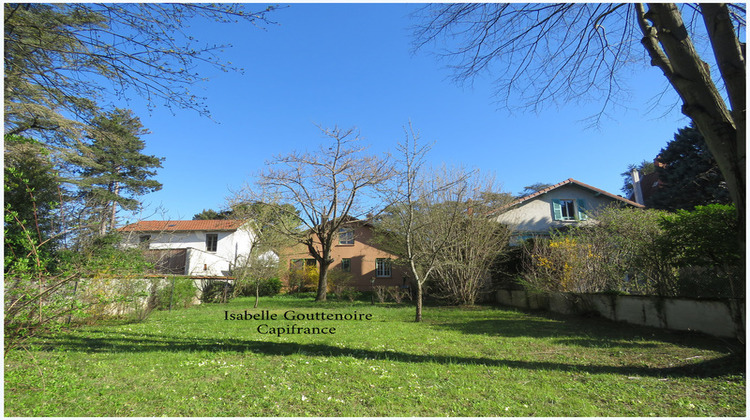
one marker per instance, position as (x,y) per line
(482,361)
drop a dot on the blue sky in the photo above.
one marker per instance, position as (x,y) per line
(352,65)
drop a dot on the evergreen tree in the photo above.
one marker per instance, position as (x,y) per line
(533,188)
(211,214)
(113,168)
(689,174)
(32,196)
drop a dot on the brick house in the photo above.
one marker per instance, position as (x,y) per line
(355,252)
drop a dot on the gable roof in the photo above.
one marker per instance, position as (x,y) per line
(569,181)
(182,225)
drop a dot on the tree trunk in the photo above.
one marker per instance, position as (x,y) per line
(323,281)
(113,217)
(671,49)
(257,293)
(418,317)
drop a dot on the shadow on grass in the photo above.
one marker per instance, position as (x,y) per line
(142,343)
(588,332)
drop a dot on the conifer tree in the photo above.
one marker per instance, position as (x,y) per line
(113,170)
(688,174)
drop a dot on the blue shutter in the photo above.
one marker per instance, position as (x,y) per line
(582,210)
(556,210)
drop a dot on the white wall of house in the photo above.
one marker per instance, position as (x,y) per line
(536,214)
(201,262)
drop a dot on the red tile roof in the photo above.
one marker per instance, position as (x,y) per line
(182,225)
(560,184)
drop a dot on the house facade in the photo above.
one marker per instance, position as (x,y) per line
(355,252)
(201,248)
(559,206)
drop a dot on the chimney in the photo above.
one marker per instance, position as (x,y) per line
(637,192)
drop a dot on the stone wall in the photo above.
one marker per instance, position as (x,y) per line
(722,318)
(126,296)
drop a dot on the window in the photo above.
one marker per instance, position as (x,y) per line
(382,267)
(569,209)
(346,265)
(346,236)
(299,264)
(144,240)
(212,239)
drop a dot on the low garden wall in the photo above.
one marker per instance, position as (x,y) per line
(126,296)
(722,318)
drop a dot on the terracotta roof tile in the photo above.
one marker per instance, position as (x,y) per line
(182,225)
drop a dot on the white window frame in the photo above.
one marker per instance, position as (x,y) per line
(346,236)
(570,209)
(383,267)
(568,206)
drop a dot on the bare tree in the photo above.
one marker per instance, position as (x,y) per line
(252,269)
(328,188)
(424,214)
(464,267)
(544,53)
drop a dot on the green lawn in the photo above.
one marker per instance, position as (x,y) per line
(483,361)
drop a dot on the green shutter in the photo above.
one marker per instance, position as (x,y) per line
(582,210)
(557,210)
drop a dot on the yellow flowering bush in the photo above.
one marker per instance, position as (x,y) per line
(303,279)
(564,264)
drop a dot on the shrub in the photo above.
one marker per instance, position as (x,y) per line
(351,294)
(179,292)
(622,252)
(304,279)
(703,244)
(270,287)
(688,253)
(339,280)
(217,292)
(398,293)
(44,289)
(266,287)
(380,292)
(565,264)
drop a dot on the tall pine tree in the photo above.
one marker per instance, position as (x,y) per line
(114,171)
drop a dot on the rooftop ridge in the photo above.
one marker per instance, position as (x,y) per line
(182,225)
(558,185)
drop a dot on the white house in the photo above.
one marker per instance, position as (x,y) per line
(209,248)
(559,206)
